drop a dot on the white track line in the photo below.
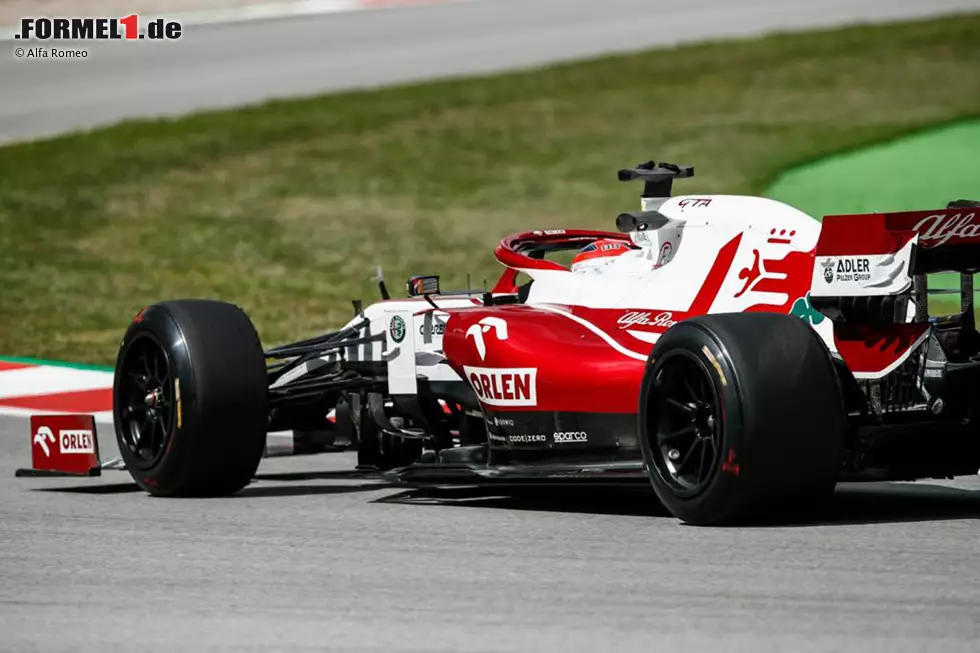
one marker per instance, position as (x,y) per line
(101,417)
(43,380)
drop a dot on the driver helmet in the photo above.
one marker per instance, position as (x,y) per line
(598,255)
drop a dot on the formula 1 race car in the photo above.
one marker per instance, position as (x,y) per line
(737,354)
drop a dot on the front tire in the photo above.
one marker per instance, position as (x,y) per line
(190,399)
(740,414)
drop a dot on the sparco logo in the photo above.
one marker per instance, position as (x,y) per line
(938,229)
(570,436)
(633,318)
(514,386)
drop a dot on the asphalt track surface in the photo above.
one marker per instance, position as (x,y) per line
(214,66)
(306,559)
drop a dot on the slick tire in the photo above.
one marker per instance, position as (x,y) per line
(741,416)
(190,399)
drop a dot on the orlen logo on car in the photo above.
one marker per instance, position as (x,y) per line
(504,386)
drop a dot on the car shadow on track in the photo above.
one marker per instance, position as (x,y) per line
(273,484)
(851,504)
(253,491)
(114,488)
(282,483)
(891,503)
(588,500)
(342,474)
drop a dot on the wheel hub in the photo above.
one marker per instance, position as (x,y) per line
(683,434)
(144,406)
(704,420)
(152,399)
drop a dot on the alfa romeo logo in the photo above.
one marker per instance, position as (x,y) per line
(397,328)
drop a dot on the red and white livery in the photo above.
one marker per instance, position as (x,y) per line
(730,351)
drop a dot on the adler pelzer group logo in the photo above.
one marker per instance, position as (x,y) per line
(40,32)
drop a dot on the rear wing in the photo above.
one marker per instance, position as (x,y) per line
(888,255)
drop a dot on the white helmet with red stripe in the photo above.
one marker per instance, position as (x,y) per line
(599,254)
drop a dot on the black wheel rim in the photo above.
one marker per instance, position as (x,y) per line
(145,407)
(685,424)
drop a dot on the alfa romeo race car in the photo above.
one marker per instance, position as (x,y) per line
(738,356)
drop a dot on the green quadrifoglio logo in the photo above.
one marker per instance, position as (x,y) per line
(803,310)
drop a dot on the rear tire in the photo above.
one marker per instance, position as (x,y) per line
(740,414)
(190,399)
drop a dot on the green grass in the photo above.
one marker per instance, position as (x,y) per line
(921,171)
(286,208)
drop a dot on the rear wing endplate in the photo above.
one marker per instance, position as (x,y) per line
(890,254)
(879,253)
